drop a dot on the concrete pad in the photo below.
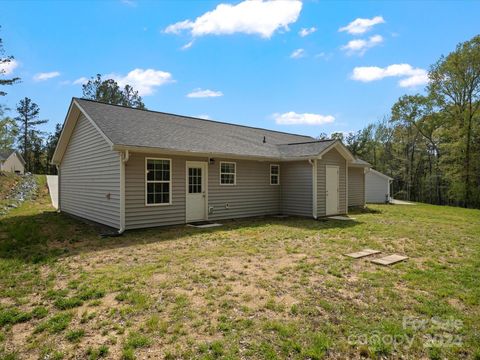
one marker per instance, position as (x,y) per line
(344,218)
(389,260)
(363,253)
(52,182)
(205,226)
(401,202)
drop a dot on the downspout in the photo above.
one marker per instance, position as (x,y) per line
(346,186)
(313,162)
(58,187)
(124,156)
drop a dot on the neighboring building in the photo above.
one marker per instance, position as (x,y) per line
(129,168)
(12,161)
(377,187)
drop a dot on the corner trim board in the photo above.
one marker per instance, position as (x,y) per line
(314,189)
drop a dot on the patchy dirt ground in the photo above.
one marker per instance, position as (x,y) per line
(262,288)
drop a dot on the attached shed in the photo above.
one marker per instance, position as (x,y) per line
(377,187)
(356,182)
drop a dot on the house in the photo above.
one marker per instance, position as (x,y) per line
(129,168)
(377,187)
(12,161)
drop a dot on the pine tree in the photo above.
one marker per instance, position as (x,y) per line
(6,63)
(27,120)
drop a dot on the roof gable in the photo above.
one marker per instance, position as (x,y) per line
(71,119)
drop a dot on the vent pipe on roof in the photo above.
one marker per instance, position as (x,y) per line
(264,140)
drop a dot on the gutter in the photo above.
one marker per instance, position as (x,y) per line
(156,150)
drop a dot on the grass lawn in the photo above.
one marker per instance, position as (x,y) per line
(264,288)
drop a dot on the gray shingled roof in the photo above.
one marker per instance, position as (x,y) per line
(4,154)
(141,128)
(360,162)
(309,148)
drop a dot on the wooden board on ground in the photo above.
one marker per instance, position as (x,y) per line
(363,253)
(389,260)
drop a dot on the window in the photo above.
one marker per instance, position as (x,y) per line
(158,182)
(194,180)
(274,174)
(227,173)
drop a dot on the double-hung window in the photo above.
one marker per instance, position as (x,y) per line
(228,173)
(274,174)
(158,181)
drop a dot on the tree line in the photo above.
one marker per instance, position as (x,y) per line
(21,130)
(430,143)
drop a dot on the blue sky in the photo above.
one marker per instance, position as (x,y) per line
(244,63)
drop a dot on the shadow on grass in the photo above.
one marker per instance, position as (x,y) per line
(363,210)
(49,235)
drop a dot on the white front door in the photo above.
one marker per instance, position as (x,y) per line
(331,189)
(196,191)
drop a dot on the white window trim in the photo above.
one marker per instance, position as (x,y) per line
(278,165)
(169,181)
(234,173)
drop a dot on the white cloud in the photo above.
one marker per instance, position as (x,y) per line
(187,45)
(200,93)
(297,54)
(360,46)
(248,17)
(80,81)
(360,26)
(143,81)
(410,76)
(307,31)
(7,68)
(46,76)
(293,118)
(204,116)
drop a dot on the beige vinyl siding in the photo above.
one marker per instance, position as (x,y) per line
(377,188)
(13,164)
(333,157)
(252,195)
(90,171)
(356,186)
(297,191)
(139,215)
